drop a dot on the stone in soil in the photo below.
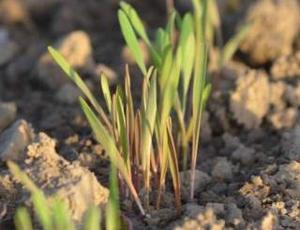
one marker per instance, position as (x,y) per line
(275,24)
(74,184)
(76,49)
(250,101)
(8,113)
(15,139)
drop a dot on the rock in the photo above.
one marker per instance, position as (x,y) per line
(286,67)
(277,91)
(284,119)
(244,155)
(234,215)
(269,222)
(290,144)
(75,185)
(129,58)
(76,49)
(250,101)
(15,139)
(8,113)
(293,95)
(222,169)
(201,181)
(8,48)
(275,24)
(68,94)
(111,75)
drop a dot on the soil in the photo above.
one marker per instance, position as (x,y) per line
(248,172)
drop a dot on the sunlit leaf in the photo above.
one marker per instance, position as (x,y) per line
(131,40)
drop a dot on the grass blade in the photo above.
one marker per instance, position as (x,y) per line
(232,45)
(106,91)
(92,219)
(74,76)
(104,138)
(131,40)
(22,219)
(112,209)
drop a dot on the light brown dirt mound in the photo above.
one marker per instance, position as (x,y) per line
(250,101)
(76,185)
(275,26)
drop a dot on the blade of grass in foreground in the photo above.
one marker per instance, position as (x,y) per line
(38,199)
(113,215)
(108,143)
(61,216)
(22,219)
(92,219)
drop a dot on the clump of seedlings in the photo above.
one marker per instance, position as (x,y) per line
(143,144)
(161,137)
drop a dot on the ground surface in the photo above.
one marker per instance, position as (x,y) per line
(249,168)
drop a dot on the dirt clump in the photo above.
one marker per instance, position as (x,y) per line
(286,67)
(76,185)
(76,49)
(250,101)
(275,24)
(198,217)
